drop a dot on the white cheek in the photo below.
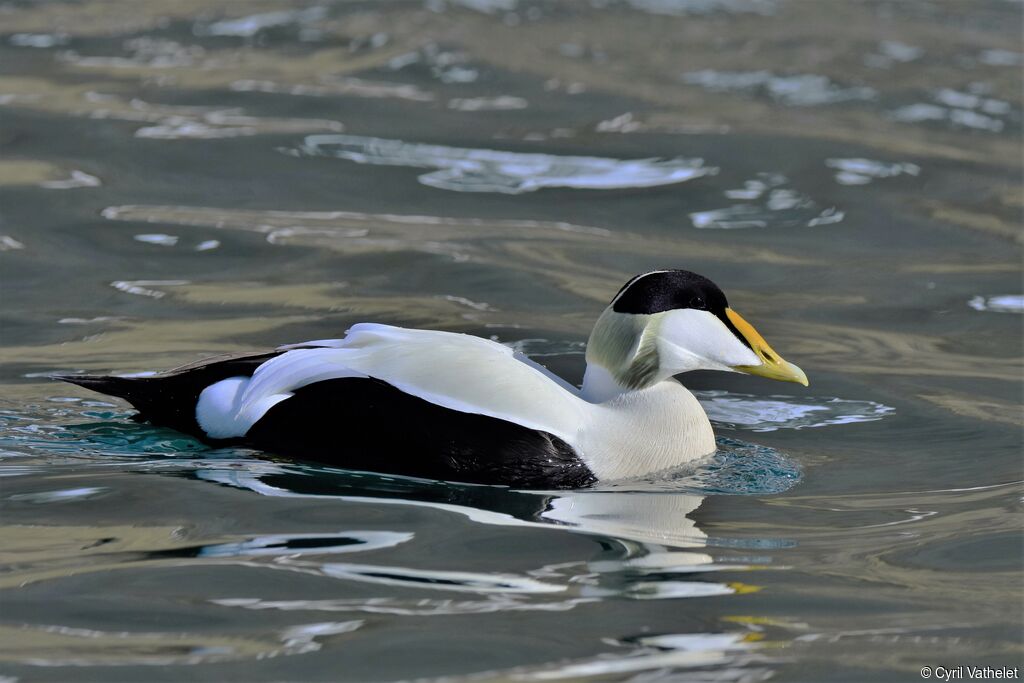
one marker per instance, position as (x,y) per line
(698,340)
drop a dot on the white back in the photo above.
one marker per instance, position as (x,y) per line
(456,371)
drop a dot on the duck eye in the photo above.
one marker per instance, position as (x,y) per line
(698,303)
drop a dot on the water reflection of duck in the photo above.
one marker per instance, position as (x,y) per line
(457,407)
(645,521)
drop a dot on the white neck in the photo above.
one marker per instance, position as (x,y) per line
(599,385)
(643,431)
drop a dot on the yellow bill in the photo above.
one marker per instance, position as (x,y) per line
(773,366)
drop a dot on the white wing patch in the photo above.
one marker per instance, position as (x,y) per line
(219,412)
(456,371)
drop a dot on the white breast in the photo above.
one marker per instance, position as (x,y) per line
(641,432)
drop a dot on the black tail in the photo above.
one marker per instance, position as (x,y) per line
(165,400)
(169,399)
(122,387)
(131,389)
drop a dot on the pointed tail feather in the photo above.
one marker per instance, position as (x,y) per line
(136,390)
(156,398)
(170,398)
(104,384)
(139,391)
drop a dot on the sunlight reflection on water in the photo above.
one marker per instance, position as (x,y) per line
(486,170)
(878,176)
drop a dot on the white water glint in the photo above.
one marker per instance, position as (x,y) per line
(295,545)
(408,607)
(539,347)
(913,113)
(469,303)
(770,413)
(8,243)
(229,124)
(798,90)
(254,23)
(144,51)
(448,66)
(144,287)
(192,130)
(89,321)
(39,40)
(500,103)
(77,179)
(900,52)
(1004,303)
(892,52)
(970,109)
(484,6)
(966,100)
(487,170)
(159,239)
(1001,58)
(651,658)
(859,171)
(453,581)
(623,123)
(165,240)
(172,122)
(701,7)
(59,496)
(769,204)
(745,216)
(916,113)
(330,86)
(972,119)
(303,638)
(755,188)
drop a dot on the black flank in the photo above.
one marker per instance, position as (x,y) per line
(360,423)
(367,424)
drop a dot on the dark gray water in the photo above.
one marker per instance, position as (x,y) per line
(183,179)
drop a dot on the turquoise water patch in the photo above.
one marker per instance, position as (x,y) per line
(737,468)
(731,410)
(43,430)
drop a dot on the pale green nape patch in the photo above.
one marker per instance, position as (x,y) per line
(625,344)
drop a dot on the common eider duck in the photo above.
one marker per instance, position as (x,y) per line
(451,406)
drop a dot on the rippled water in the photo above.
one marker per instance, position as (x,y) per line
(190,178)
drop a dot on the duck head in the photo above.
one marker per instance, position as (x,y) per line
(666,322)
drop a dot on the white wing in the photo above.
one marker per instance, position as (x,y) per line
(456,371)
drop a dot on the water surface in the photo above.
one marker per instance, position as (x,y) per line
(191,178)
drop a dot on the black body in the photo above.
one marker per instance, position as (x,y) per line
(363,424)
(367,424)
